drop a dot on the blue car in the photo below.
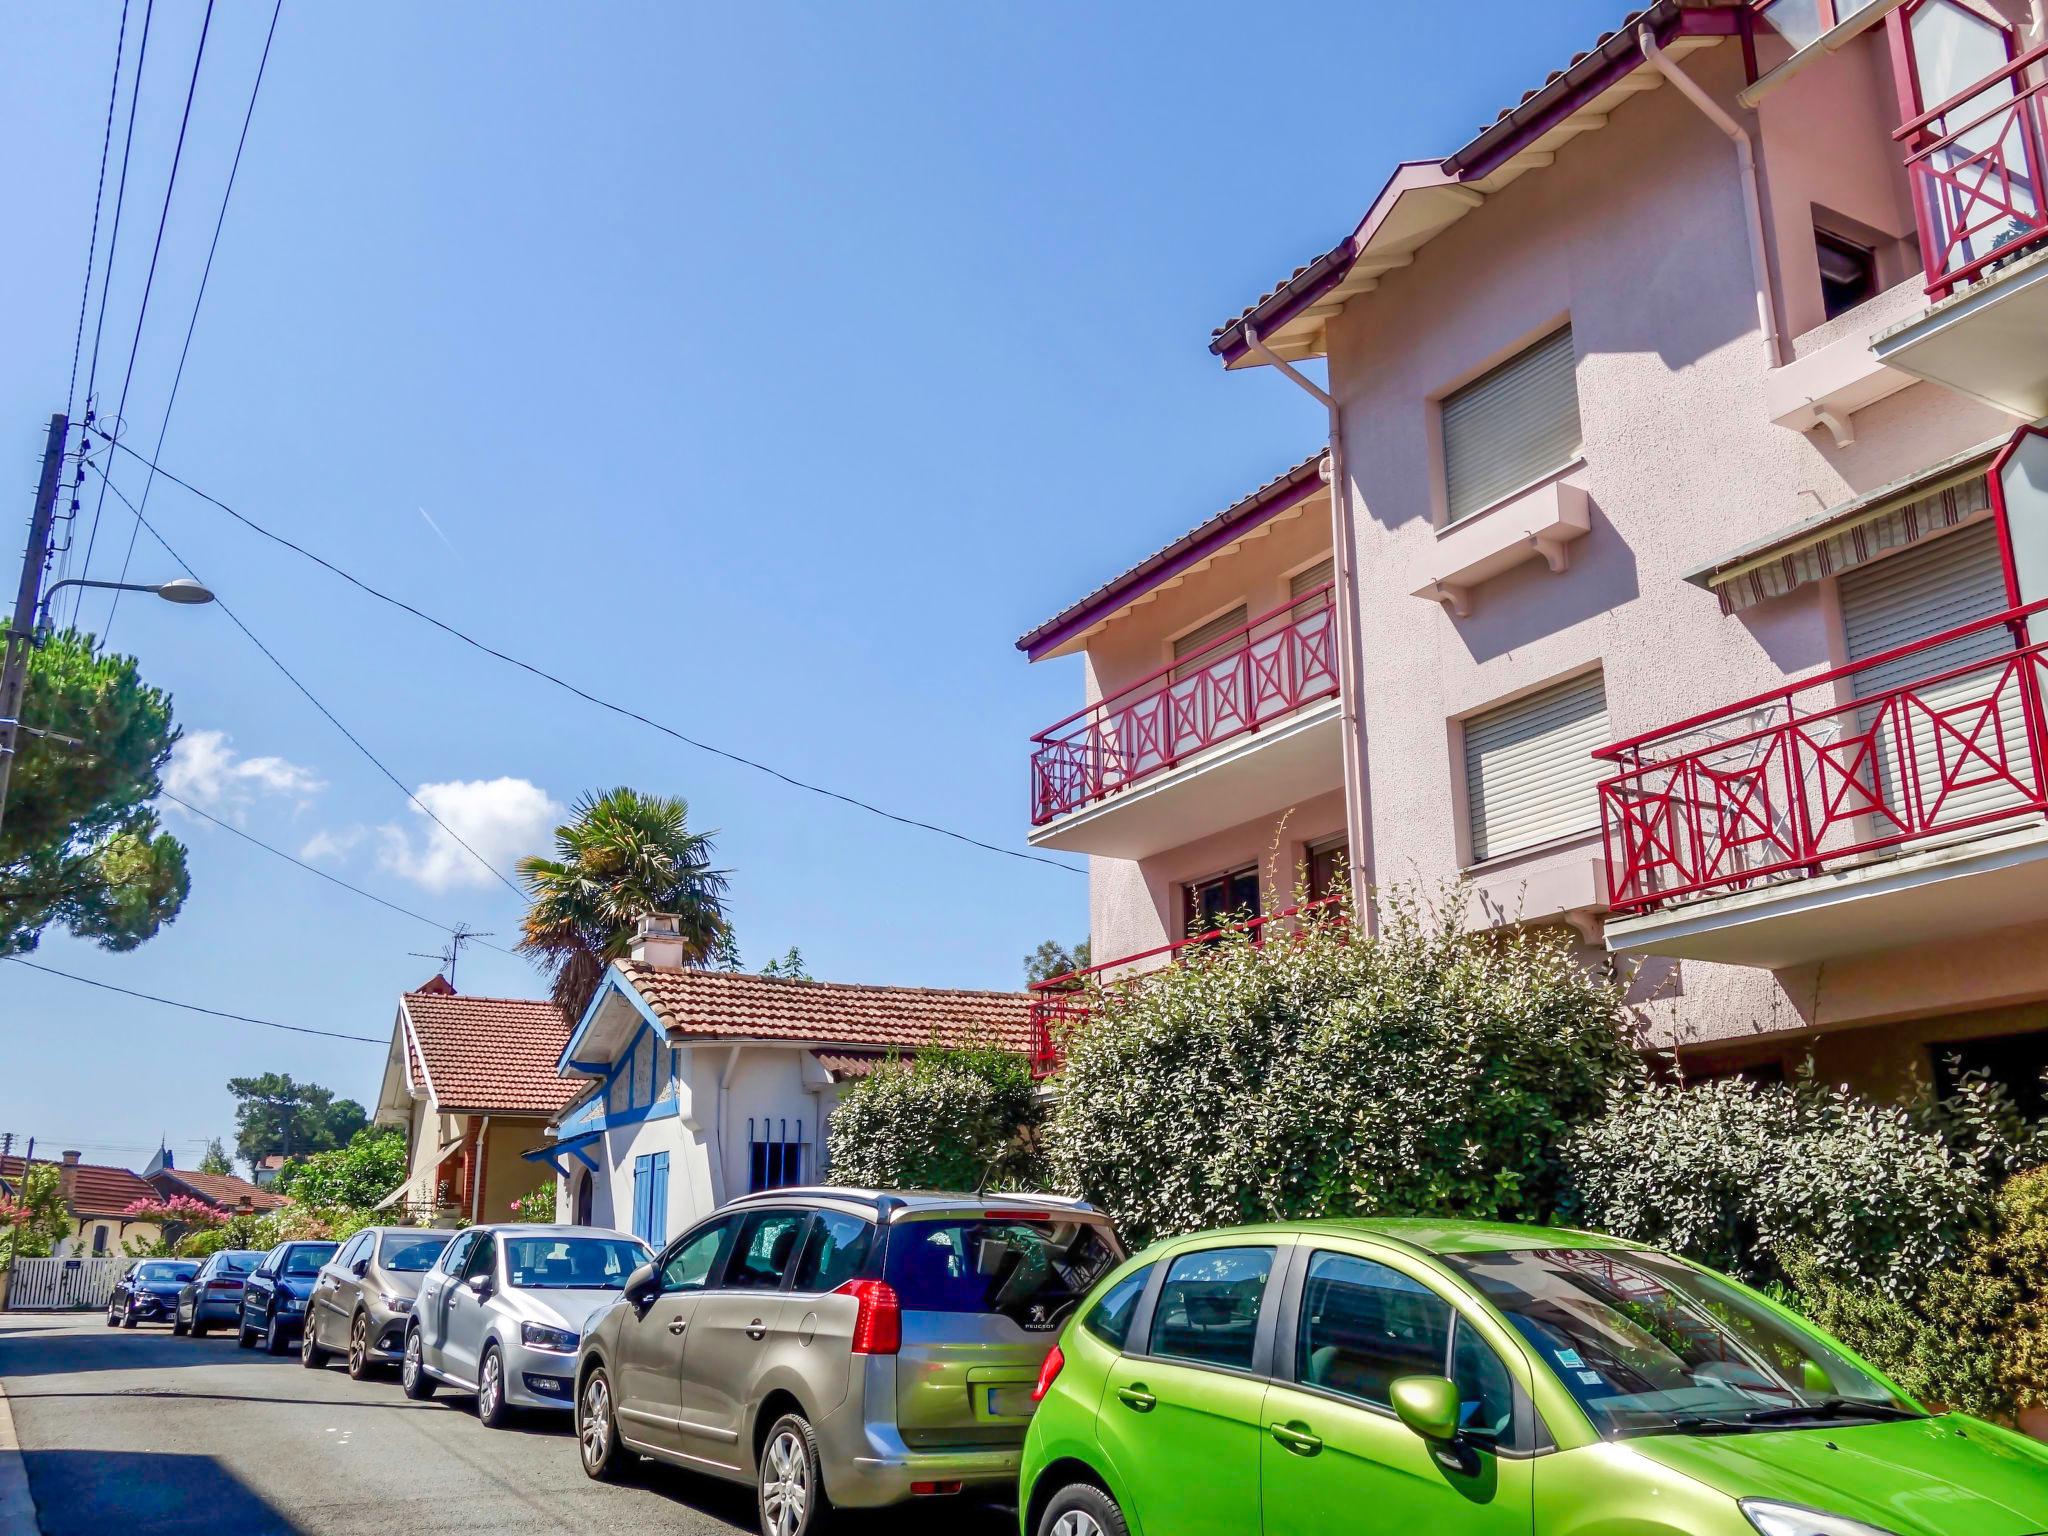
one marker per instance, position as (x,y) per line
(148,1293)
(275,1294)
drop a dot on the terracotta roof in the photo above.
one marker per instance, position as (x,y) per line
(848,1064)
(96,1189)
(730,1004)
(222,1189)
(491,1055)
(1203,541)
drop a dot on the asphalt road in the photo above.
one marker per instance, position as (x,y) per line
(141,1432)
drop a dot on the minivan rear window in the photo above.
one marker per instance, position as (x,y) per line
(1031,1271)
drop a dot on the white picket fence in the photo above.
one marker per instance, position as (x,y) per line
(60,1285)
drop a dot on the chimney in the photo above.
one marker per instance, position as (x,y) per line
(67,1175)
(658,940)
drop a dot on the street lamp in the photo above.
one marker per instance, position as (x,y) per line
(181,589)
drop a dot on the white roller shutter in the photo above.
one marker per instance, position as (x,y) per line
(1530,774)
(1512,426)
(1321,574)
(1202,635)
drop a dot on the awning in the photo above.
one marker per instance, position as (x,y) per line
(573,1146)
(393,1198)
(1931,501)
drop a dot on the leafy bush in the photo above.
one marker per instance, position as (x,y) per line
(1744,1177)
(1427,1070)
(946,1119)
(361,1173)
(536,1204)
(33,1224)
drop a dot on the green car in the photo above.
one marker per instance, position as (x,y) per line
(1478,1379)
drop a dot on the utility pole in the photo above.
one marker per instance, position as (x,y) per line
(21,636)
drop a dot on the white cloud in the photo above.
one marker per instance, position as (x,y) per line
(206,770)
(502,819)
(336,843)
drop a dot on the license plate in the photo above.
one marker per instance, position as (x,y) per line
(1010,1403)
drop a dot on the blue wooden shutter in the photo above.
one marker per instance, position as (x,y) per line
(657,1203)
(643,1190)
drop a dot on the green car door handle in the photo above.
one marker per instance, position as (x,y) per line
(1136,1397)
(1299,1441)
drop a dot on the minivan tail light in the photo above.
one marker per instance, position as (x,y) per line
(1055,1362)
(878,1325)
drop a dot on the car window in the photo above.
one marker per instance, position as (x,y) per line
(576,1262)
(835,1252)
(357,1247)
(1486,1393)
(407,1255)
(306,1258)
(1031,1268)
(238,1261)
(689,1263)
(270,1262)
(764,1249)
(1208,1308)
(1364,1325)
(1110,1318)
(458,1252)
(483,1258)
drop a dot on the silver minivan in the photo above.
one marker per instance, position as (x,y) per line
(502,1312)
(840,1347)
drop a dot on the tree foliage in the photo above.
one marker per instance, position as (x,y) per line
(788,967)
(1427,1070)
(537,1204)
(277,1115)
(216,1158)
(80,848)
(946,1119)
(36,1219)
(1052,958)
(624,854)
(363,1172)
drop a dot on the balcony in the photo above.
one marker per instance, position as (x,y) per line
(1976,163)
(1061,1004)
(1898,800)
(1245,726)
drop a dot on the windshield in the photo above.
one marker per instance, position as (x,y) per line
(161,1272)
(410,1255)
(1648,1344)
(571,1263)
(307,1258)
(1031,1270)
(238,1261)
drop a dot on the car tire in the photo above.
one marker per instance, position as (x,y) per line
(198,1328)
(113,1318)
(412,1375)
(1082,1509)
(311,1355)
(128,1316)
(244,1339)
(789,1485)
(177,1324)
(597,1429)
(274,1336)
(491,1411)
(359,1366)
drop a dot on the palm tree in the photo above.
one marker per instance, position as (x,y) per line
(621,855)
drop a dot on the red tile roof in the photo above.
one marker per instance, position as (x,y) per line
(96,1189)
(848,1064)
(732,1005)
(491,1055)
(221,1189)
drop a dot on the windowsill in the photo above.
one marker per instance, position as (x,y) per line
(1540,523)
(1569,467)
(1835,373)
(1499,862)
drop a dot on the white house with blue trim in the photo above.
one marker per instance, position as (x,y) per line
(707,1085)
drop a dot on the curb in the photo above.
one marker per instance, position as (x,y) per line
(17,1506)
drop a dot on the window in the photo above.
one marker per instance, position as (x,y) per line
(1202,635)
(1208,1308)
(1511,427)
(1033,1270)
(99,1239)
(404,1254)
(1802,22)
(356,1248)
(453,1259)
(1530,774)
(1486,1392)
(1364,1325)
(2014,1062)
(761,1255)
(534,1263)
(1301,586)
(483,1258)
(1848,272)
(1208,904)
(690,1265)
(1110,1318)
(775,1153)
(650,1198)
(1326,861)
(836,1251)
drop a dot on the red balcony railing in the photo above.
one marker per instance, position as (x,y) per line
(1832,769)
(1233,685)
(1976,164)
(1060,1004)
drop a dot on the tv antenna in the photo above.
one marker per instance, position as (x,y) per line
(458,936)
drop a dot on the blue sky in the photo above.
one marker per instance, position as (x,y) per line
(769,368)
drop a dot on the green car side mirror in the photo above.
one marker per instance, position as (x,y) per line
(1428,1405)
(1814,1377)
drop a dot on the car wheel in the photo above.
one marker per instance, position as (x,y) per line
(244,1338)
(311,1355)
(412,1373)
(128,1316)
(491,1411)
(1082,1509)
(113,1317)
(274,1336)
(791,1488)
(359,1347)
(177,1324)
(198,1328)
(597,1433)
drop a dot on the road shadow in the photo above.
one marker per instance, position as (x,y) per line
(734,1504)
(57,1352)
(88,1493)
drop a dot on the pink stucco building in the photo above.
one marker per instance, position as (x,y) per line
(1659,577)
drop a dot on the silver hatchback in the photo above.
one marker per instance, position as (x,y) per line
(502,1311)
(365,1293)
(840,1347)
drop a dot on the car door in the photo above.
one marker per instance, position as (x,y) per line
(730,1334)
(256,1292)
(333,1292)
(465,1316)
(1354,1324)
(435,1295)
(652,1341)
(1180,1417)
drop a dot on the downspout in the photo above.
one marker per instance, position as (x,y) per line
(1752,196)
(476,1193)
(1351,670)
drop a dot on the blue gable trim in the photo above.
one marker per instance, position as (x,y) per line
(613,982)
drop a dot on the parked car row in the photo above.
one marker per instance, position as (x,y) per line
(841,1348)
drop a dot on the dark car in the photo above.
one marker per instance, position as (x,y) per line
(274,1296)
(148,1293)
(214,1295)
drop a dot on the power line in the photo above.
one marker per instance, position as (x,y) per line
(92,245)
(149,282)
(120,202)
(311,698)
(584,694)
(150,997)
(199,298)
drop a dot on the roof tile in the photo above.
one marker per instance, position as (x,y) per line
(96,1190)
(730,1004)
(220,1189)
(492,1055)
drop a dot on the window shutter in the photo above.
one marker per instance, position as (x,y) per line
(1530,775)
(657,1202)
(1195,639)
(1509,428)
